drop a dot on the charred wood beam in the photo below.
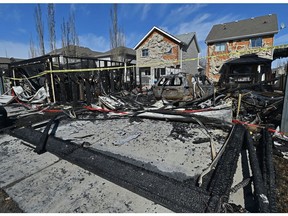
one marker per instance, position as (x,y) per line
(62,94)
(88,88)
(268,169)
(259,189)
(222,177)
(112,83)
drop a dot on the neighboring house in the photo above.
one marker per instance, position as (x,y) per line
(160,53)
(122,54)
(280,72)
(230,40)
(74,51)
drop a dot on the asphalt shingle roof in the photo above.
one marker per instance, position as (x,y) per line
(81,51)
(186,38)
(258,26)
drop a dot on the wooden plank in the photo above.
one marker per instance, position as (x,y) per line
(284,121)
(87,85)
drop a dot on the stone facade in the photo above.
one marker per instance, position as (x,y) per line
(234,49)
(158,47)
(165,56)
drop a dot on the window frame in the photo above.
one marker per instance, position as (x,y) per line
(147,72)
(220,47)
(254,42)
(145,52)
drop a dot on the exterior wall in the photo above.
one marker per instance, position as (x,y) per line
(157,44)
(234,49)
(190,53)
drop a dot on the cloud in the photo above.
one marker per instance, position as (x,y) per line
(139,11)
(201,24)
(14,49)
(182,13)
(145,11)
(94,42)
(281,40)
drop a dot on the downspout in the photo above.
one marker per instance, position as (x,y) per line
(181,56)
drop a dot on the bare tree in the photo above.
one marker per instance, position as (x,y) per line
(69,36)
(32,51)
(117,37)
(64,36)
(51,26)
(40,28)
(73,34)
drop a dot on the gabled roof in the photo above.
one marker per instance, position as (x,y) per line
(187,38)
(4,60)
(122,49)
(253,27)
(81,51)
(160,30)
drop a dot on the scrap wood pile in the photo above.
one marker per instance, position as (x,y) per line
(260,112)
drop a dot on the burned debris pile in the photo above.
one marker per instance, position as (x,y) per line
(248,116)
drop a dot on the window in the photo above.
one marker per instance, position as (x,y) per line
(220,47)
(159,72)
(162,71)
(145,52)
(147,72)
(256,42)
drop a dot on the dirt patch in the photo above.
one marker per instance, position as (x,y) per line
(7,204)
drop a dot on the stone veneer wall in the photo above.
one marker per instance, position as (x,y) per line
(233,50)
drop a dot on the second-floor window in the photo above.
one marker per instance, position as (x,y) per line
(256,42)
(145,52)
(220,47)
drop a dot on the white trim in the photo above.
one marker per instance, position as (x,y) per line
(156,28)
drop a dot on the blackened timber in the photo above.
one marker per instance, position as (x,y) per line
(111,77)
(87,85)
(270,171)
(222,178)
(62,94)
(172,194)
(259,188)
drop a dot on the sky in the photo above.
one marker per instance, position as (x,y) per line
(93,21)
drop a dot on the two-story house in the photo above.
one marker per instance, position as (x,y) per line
(228,41)
(159,53)
(122,54)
